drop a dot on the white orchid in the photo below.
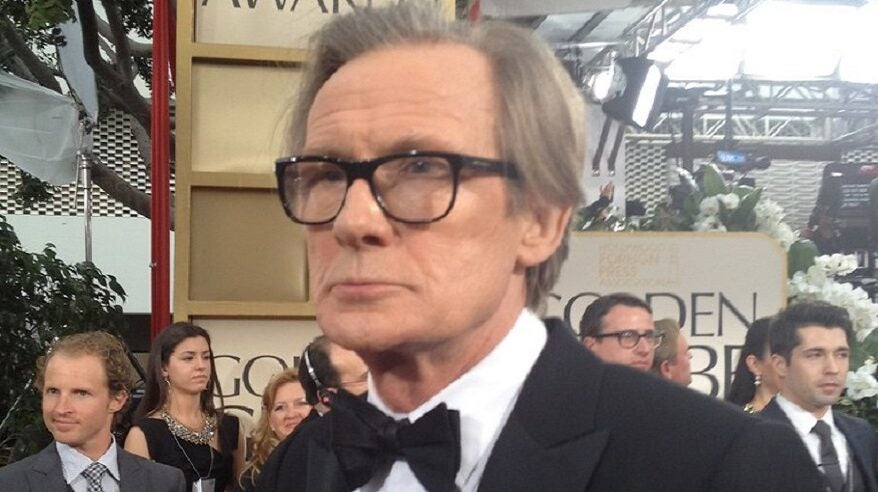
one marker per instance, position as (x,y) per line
(861,383)
(709,206)
(837,264)
(729,200)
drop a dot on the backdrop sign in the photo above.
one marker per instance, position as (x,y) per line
(249,352)
(273,23)
(713,284)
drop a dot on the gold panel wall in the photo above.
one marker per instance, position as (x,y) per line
(238,115)
(244,248)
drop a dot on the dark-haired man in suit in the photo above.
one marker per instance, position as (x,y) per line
(85,381)
(619,329)
(810,352)
(435,167)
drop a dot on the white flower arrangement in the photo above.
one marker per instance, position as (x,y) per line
(770,220)
(714,206)
(818,283)
(861,384)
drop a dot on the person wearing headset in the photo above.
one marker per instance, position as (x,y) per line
(326,366)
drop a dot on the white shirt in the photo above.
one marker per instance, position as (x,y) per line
(484,396)
(73,463)
(804,421)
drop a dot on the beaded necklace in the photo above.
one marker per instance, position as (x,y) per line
(185,433)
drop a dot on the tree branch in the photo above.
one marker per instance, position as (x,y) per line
(107,48)
(119,189)
(19,69)
(124,90)
(120,40)
(137,48)
(43,74)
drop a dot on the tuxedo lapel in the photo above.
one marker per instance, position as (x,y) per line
(132,476)
(547,442)
(773,411)
(860,448)
(47,473)
(324,471)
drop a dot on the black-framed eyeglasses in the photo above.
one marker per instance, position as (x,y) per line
(416,187)
(360,380)
(630,338)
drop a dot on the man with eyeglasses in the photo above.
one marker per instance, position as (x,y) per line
(619,329)
(435,168)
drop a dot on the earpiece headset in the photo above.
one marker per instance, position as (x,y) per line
(323,394)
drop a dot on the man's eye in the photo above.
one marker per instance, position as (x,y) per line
(321,173)
(425,167)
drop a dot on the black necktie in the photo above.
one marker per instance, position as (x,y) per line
(365,440)
(828,457)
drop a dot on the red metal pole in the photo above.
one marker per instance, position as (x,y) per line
(160,172)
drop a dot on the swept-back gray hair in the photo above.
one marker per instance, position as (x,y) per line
(541,113)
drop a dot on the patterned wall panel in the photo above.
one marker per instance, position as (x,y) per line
(116,147)
(646,173)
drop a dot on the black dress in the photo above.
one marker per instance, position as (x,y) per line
(168,449)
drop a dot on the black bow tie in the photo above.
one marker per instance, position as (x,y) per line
(365,440)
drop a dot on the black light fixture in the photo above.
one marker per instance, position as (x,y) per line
(638,88)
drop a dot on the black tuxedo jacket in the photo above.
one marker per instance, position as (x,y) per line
(580,424)
(859,434)
(43,472)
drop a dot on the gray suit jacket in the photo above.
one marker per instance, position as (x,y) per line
(42,473)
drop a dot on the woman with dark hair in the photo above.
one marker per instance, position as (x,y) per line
(176,422)
(754,383)
(283,408)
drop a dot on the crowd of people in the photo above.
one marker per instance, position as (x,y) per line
(791,370)
(435,167)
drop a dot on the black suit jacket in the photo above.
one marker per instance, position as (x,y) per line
(580,424)
(859,434)
(42,472)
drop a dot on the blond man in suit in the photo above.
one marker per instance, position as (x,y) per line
(85,381)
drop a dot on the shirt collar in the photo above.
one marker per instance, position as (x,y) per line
(73,462)
(485,394)
(802,419)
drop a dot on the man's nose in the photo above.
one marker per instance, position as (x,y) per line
(361,219)
(831,365)
(62,404)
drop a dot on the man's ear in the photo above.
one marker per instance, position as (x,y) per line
(665,369)
(544,230)
(589,342)
(117,401)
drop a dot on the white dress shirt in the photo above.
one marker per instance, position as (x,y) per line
(73,463)
(484,396)
(804,421)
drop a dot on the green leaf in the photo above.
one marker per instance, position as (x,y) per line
(800,256)
(744,217)
(691,208)
(713,182)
